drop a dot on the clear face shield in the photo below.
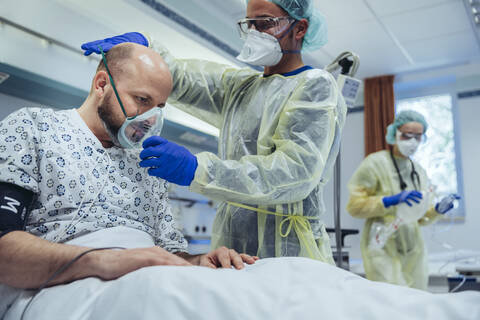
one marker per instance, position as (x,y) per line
(138,128)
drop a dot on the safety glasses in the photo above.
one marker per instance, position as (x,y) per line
(417,136)
(271,25)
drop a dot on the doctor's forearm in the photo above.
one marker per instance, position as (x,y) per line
(365,207)
(27,261)
(251,181)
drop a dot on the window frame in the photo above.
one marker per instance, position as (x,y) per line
(436,87)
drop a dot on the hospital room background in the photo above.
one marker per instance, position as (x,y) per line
(432,47)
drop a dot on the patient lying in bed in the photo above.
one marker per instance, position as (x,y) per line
(279,288)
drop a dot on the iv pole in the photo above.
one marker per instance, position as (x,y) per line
(348,70)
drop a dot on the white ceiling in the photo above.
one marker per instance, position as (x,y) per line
(390,36)
(394,36)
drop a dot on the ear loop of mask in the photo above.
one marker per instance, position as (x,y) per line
(104,59)
(286,33)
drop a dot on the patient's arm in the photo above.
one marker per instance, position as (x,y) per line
(27,261)
(220,258)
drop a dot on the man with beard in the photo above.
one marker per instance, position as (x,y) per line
(70,182)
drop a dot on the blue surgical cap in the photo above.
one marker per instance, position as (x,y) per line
(316,36)
(400,119)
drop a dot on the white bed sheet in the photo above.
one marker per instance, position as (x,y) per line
(283,288)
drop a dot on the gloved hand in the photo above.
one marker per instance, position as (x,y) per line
(404,196)
(446,204)
(108,43)
(168,160)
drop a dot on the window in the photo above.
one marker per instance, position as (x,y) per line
(438,154)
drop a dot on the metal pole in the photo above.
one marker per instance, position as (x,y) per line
(336,208)
(349,68)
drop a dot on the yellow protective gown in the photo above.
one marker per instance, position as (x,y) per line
(402,261)
(279,137)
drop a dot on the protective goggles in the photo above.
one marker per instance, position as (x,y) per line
(138,128)
(270,25)
(420,137)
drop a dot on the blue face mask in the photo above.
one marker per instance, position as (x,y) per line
(138,128)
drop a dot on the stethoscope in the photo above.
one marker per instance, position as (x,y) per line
(414,174)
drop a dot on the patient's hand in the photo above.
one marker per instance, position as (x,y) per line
(112,264)
(225,258)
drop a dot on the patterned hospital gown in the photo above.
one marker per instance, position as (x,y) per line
(81,187)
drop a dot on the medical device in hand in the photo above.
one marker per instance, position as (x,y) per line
(447,203)
(380,233)
(412,213)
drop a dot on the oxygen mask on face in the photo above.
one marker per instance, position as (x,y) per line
(134,131)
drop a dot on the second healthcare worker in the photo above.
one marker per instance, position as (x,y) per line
(279,132)
(385,181)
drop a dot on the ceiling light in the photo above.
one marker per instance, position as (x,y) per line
(475,7)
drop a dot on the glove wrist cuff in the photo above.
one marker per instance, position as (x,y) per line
(385,202)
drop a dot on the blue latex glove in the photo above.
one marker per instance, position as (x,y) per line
(108,43)
(168,160)
(446,204)
(404,196)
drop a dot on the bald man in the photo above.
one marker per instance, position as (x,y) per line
(67,186)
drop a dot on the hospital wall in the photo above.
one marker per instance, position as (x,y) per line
(9,104)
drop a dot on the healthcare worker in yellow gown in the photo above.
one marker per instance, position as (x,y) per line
(279,132)
(384,181)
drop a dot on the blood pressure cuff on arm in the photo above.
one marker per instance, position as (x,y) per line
(15,203)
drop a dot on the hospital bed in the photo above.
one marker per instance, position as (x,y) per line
(278,288)
(451,271)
